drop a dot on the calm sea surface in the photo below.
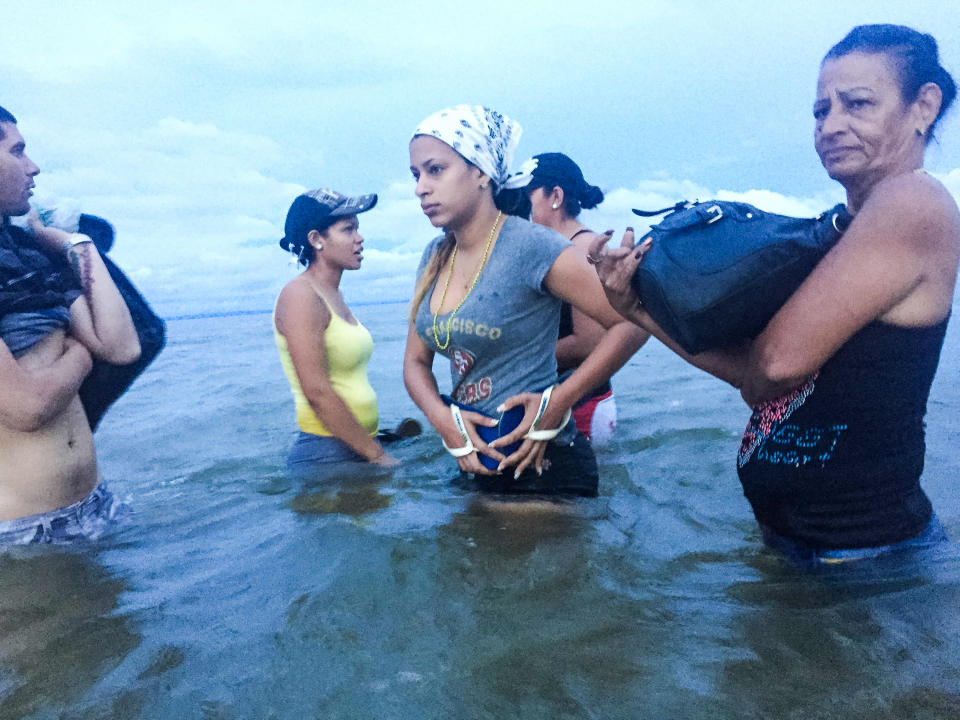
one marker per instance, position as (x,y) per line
(237,593)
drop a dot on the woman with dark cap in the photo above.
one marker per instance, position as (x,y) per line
(323,348)
(557,192)
(838,380)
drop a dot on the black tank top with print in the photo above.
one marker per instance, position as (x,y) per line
(836,463)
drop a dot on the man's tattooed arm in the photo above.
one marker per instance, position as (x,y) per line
(79,259)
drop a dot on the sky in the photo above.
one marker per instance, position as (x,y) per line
(192,125)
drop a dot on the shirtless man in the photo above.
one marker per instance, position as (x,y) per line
(58,310)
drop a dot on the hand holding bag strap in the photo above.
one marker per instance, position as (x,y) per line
(653,213)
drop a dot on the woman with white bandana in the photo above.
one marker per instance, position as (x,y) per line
(488,298)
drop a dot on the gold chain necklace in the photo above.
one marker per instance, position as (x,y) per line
(446,285)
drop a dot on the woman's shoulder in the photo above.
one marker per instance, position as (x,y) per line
(917,208)
(296,289)
(919,192)
(529,251)
(299,302)
(520,230)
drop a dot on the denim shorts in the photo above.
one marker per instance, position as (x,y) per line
(87,519)
(804,556)
(311,450)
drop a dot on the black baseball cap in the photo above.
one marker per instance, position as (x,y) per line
(314,207)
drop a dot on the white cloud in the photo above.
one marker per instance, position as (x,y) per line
(615,211)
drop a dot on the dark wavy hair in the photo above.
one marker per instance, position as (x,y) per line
(914,56)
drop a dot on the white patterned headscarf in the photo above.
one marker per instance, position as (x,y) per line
(484,137)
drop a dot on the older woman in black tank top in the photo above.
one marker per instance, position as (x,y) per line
(838,380)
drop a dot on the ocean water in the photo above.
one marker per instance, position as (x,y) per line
(237,593)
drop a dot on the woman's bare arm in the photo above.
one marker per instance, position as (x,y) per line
(896,262)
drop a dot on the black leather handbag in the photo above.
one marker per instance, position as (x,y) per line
(717,271)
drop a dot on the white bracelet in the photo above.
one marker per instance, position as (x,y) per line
(462,428)
(542,435)
(75,239)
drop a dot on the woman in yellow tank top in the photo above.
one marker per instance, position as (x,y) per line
(323,348)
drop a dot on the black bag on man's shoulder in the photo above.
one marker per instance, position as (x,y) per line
(718,271)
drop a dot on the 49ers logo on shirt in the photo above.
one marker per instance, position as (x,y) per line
(471,392)
(474,392)
(462,363)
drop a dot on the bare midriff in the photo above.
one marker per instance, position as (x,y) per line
(50,467)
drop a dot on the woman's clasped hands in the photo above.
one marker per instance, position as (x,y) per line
(464,443)
(531,450)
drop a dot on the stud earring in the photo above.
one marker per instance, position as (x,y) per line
(555,206)
(921,133)
(319,246)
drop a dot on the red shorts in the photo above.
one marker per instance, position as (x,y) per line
(589,421)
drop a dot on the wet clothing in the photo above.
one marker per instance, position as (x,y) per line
(309,451)
(810,557)
(836,463)
(87,519)
(503,339)
(36,290)
(348,348)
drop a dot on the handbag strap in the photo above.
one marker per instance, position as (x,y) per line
(653,213)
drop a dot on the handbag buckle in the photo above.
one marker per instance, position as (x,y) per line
(714,209)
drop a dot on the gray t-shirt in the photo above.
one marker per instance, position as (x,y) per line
(503,340)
